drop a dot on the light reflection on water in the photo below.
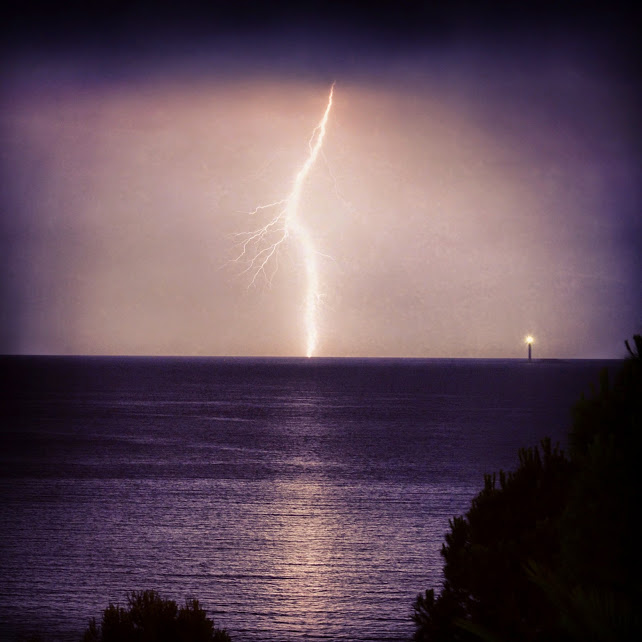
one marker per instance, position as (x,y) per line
(294,502)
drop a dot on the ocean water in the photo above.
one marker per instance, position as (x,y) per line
(296,499)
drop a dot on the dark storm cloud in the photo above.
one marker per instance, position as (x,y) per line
(388,25)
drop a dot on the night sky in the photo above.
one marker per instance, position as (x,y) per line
(479,181)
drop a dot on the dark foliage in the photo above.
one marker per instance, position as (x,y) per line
(150,618)
(598,584)
(513,519)
(550,551)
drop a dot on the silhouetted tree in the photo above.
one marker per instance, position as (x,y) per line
(552,552)
(599,582)
(513,519)
(150,618)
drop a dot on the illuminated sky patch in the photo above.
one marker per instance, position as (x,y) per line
(467,194)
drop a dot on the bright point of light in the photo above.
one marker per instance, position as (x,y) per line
(529,339)
(259,249)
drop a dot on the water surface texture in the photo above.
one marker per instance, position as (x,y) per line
(296,499)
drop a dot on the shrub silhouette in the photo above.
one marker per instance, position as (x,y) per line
(551,552)
(513,519)
(151,618)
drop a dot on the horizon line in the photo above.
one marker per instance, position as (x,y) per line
(302,358)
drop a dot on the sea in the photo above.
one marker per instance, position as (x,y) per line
(296,499)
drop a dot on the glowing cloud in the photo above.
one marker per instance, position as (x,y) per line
(260,247)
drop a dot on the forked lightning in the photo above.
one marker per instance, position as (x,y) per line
(260,247)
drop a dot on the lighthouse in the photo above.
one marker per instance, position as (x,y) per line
(529,343)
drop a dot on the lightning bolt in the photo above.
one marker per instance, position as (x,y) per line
(259,249)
